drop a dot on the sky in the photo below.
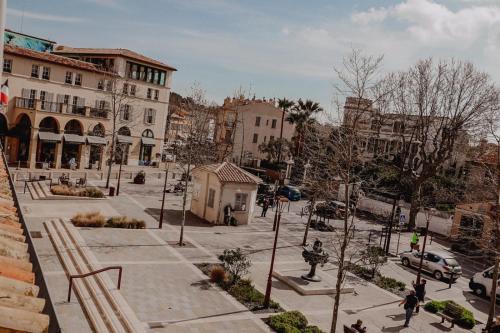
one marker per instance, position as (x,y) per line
(270,48)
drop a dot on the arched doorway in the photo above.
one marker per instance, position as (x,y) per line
(123,142)
(20,142)
(97,143)
(72,146)
(147,144)
(47,144)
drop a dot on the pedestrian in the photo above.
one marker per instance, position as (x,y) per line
(410,302)
(265,206)
(227,214)
(359,326)
(414,240)
(419,292)
(495,327)
(271,201)
(72,163)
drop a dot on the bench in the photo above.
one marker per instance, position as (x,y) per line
(450,313)
(348,329)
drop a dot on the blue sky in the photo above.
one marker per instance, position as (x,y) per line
(272,48)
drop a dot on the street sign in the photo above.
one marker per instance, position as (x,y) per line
(402,219)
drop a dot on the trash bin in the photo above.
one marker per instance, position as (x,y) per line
(111,191)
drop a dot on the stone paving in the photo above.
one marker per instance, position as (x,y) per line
(163,287)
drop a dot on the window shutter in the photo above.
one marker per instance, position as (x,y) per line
(107,105)
(60,98)
(50,97)
(153,116)
(122,110)
(146,115)
(25,93)
(97,104)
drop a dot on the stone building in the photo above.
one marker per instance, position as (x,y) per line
(60,103)
(474,223)
(244,124)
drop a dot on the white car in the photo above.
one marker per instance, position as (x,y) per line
(480,283)
(439,263)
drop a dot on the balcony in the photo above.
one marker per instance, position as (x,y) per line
(61,108)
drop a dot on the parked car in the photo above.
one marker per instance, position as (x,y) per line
(439,263)
(265,188)
(291,192)
(480,283)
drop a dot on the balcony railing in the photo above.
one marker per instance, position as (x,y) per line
(50,106)
(98,113)
(25,103)
(75,109)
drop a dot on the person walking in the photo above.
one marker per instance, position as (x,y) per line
(414,241)
(358,326)
(265,206)
(419,293)
(410,302)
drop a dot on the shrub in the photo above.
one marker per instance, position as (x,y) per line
(218,274)
(125,223)
(434,306)
(92,192)
(390,283)
(466,319)
(236,263)
(244,292)
(93,219)
(63,190)
(290,322)
(312,329)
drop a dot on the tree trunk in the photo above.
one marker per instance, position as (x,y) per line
(414,208)
(111,157)
(311,211)
(340,272)
(184,199)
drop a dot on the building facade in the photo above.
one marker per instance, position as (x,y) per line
(244,124)
(67,103)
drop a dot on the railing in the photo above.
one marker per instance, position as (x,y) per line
(98,113)
(51,106)
(79,276)
(76,109)
(25,103)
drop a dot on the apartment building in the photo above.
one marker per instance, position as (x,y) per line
(245,124)
(61,105)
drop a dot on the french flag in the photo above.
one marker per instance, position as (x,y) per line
(4,97)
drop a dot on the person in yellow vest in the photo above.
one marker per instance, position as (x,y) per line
(414,241)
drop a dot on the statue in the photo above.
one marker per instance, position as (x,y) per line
(314,255)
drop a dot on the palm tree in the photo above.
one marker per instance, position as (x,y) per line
(285,105)
(301,116)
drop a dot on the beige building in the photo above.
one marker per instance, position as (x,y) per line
(60,106)
(247,124)
(216,186)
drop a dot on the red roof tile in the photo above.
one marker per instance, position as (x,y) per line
(230,173)
(53,58)
(61,49)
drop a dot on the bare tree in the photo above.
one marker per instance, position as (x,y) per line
(199,146)
(356,78)
(439,103)
(118,101)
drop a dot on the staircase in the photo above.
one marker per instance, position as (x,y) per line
(105,307)
(39,190)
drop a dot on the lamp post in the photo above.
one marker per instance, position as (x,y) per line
(428,219)
(279,207)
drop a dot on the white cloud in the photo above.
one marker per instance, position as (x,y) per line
(43,17)
(285,31)
(371,15)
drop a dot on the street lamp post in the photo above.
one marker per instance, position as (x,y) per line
(428,218)
(279,207)
(164,191)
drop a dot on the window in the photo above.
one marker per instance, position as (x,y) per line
(125,114)
(132,89)
(255,138)
(149,116)
(125,88)
(265,138)
(150,75)
(157,94)
(150,92)
(66,99)
(240,202)
(145,73)
(273,124)
(43,96)
(35,71)
(75,100)
(271,138)
(46,73)
(100,84)
(211,198)
(109,85)
(257,121)
(267,122)
(69,78)
(7,65)
(101,105)
(78,79)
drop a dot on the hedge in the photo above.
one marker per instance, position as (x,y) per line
(466,319)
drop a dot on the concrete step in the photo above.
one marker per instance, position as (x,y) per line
(109,303)
(33,193)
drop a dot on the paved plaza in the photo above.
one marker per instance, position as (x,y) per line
(169,293)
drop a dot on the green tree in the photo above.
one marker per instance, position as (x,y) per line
(285,105)
(272,148)
(302,116)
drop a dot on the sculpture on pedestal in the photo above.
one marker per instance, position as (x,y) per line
(314,255)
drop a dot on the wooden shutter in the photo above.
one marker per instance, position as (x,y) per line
(60,98)
(153,117)
(81,102)
(146,115)
(25,93)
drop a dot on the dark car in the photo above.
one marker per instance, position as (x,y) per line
(291,192)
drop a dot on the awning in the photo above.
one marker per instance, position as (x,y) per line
(96,140)
(124,139)
(148,141)
(74,138)
(49,136)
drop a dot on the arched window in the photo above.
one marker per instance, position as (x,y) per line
(148,134)
(124,131)
(99,130)
(49,124)
(73,127)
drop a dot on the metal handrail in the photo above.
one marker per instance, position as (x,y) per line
(78,276)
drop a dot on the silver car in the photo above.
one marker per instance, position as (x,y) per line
(439,263)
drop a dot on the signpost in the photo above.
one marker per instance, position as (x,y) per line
(402,222)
